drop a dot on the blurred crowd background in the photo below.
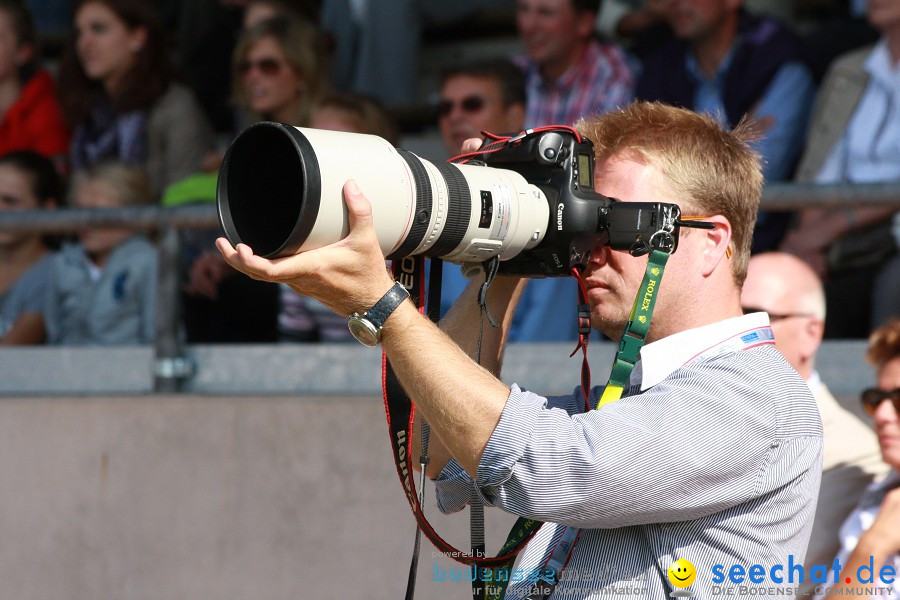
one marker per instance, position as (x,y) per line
(116,103)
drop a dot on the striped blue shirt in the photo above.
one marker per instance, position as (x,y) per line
(713,455)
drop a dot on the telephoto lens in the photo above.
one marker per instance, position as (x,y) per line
(280,192)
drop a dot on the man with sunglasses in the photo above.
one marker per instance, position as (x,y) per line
(713,451)
(872,531)
(490,96)
(485,95)
(786,288)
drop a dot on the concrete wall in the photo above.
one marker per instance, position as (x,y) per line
(187,497)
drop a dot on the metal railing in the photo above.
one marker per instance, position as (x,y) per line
(171,365)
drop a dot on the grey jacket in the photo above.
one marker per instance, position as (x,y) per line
(118,308)
(178,137)
(839,95)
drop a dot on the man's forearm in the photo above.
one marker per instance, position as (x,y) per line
(449,371)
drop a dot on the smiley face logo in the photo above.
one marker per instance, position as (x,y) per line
(682,573)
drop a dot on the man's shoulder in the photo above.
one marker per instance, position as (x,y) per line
(851,63)
(135,249)
(755,381)
(177,102)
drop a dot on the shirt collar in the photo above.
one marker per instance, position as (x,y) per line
(814,380)
(879,65)
(662,357)
(693,65)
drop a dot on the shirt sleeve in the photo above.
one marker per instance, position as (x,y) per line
(787,102)
(672,453)
(454,487)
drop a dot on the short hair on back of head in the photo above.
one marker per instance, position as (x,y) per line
(369,114)
(884,343)
(130,183)
(711,171)
(510,77)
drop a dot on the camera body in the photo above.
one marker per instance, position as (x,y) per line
(561,164)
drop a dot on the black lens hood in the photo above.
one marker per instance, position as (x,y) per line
(269,189)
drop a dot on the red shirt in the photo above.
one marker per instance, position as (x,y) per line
(35,121)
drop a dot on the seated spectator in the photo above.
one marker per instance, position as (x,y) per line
(853,139)
(569,73)
(487,95)
(871,534)
(279,71)
(119,94)
(103,288)
(479,96)
(490,96)
(790,292)
(30,116)
(731,64)
(28,181)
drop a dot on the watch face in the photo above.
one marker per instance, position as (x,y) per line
(363,330)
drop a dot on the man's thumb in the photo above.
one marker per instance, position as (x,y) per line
(359,209)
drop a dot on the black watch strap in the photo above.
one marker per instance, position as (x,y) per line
(379,313)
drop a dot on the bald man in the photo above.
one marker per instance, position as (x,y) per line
(790,291)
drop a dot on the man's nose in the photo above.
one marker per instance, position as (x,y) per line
(599,256)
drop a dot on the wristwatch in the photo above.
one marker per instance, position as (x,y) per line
(366,327)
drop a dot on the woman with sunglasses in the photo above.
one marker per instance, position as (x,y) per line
(279,71)
(870,536)
(279,74)
(118,91)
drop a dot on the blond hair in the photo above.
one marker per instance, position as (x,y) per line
(303,46)
(884,343)
(710,171)
(130,184)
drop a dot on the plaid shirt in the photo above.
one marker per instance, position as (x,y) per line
(602,79)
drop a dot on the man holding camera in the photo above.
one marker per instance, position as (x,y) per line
(712,455)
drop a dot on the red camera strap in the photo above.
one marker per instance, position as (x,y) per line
(400,413)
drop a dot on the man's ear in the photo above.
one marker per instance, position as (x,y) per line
(811,338)
(716,243)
